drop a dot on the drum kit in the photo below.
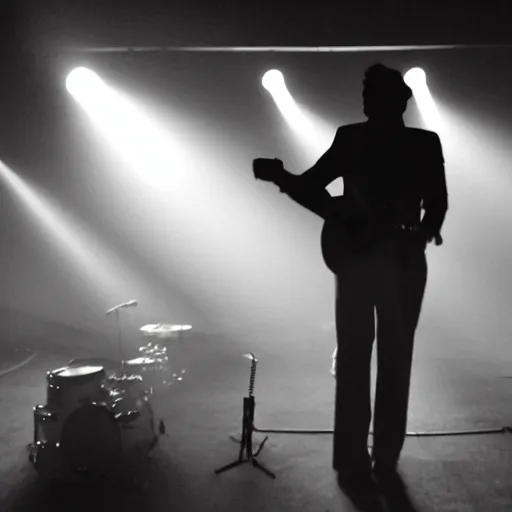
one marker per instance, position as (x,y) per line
(98,419)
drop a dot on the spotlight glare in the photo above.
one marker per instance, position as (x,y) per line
(272,80)
(415,77)
(82,80)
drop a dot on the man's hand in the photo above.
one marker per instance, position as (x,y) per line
(427,237)
(267,169)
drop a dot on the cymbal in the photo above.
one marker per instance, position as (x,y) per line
(140,361)
(164,330)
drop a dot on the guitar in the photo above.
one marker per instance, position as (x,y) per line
(347,229)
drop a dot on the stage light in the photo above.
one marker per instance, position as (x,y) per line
(82,81)
(416,79)
(273,81)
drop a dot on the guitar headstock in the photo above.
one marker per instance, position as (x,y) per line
(266,168)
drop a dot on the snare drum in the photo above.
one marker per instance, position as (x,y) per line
(69,387)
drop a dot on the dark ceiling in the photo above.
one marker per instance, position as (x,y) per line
(33,29)
(222,22)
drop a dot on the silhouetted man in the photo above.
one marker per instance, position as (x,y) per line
(394,172)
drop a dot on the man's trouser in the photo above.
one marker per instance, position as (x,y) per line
(387,283)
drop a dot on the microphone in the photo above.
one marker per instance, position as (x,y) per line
(130,303)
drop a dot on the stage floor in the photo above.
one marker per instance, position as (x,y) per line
(294,389)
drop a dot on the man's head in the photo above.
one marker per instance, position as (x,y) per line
(385,94)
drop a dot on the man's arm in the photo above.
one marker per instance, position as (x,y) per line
(435,196)
(308,189)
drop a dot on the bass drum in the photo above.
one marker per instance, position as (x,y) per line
(91,441)
(136,419)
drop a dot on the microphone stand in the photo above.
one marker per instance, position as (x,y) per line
(116,310)
(246,454)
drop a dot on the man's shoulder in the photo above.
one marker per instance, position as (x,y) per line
(421,133)
(414,132)
(349,132)
(351,127)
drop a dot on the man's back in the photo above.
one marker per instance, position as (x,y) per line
(388,168)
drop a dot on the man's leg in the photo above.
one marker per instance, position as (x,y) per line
(355,329)
(399,298)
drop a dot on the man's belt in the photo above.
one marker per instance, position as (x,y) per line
(414,228)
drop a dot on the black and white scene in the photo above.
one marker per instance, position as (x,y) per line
(255,256)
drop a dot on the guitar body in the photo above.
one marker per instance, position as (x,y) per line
(350,228)
(344,235)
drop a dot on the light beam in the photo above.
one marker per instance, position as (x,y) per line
(140,141)
(416,79)
(92,263)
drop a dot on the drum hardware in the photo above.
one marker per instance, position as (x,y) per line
(155,357)
(126,418)
(45,414)
(156,351)
(246,439)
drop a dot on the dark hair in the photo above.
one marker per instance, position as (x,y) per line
(387,81)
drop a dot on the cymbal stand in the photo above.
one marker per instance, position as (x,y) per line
(119,335)
(248,429)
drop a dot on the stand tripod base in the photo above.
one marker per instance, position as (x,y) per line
(253,461)
(246,442)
